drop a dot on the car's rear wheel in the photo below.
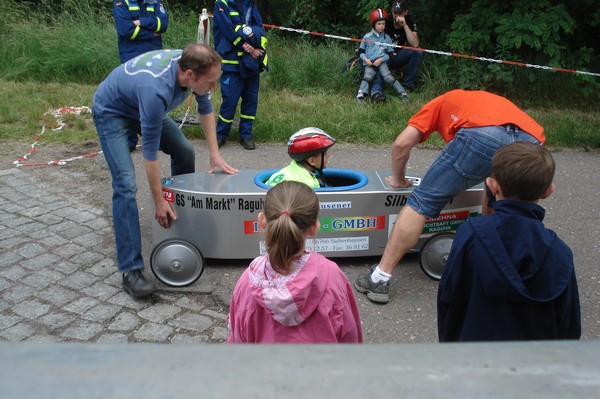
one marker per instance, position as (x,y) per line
(434,254)
(177,262)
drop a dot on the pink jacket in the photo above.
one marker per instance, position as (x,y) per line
(313,304)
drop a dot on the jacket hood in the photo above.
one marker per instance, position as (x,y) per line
(292,298)
(529,272)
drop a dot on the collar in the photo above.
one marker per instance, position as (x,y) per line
(520,208)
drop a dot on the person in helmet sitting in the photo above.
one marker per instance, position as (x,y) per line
(308,150)
(374,51)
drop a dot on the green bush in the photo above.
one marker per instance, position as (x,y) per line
(519,31)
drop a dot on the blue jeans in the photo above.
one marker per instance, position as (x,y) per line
(410,60)
(383,72)
(114,134)
(234,87)
(463,163)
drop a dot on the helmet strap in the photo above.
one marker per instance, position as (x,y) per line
(307,166)
(320,177)
(317,171)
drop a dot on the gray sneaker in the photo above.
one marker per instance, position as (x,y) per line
(376,292)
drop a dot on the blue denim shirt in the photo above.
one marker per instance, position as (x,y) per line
(375,50)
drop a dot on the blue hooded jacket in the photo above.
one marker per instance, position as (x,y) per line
(508,278)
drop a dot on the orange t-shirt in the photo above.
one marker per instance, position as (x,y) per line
(458,109)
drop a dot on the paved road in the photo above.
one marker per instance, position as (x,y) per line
(58,279)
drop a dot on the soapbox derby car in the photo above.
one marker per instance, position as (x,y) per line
(217,218)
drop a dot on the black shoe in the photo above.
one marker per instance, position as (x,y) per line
(378,98)
(221,142)
(132,143)
(136,284)
(247,143)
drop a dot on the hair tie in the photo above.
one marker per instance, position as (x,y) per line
(286,212)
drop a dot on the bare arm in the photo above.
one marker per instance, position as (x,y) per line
(411,37)
(403,144)
(210,132)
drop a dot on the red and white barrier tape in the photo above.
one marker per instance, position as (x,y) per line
(187,111)
(59,124)
(521,64)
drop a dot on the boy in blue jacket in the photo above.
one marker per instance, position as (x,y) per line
(374,51)
(508,277)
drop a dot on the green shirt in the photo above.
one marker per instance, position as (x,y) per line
(294,172)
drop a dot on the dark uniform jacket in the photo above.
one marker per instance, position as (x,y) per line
(237,22)
(135,40)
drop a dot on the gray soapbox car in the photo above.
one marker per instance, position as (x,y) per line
(217,218)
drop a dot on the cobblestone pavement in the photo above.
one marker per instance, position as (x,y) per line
(58,279)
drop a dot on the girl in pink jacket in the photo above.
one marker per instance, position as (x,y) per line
(290,295)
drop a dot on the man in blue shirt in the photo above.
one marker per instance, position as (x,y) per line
(135,99)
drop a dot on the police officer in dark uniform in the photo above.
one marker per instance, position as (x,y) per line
(140,25)
(241,41)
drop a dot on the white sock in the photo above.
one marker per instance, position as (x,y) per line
(379,275)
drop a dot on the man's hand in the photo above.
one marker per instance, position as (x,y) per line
(217,161)
(398,183)
(400,21)
(164,214)
(254,52)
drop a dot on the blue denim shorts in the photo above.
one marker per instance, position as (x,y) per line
(463,163)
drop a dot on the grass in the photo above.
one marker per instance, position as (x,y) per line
(48,62)
(23,108)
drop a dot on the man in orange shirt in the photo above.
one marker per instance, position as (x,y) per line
(474,124)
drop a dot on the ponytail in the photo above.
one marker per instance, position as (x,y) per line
(290,209)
